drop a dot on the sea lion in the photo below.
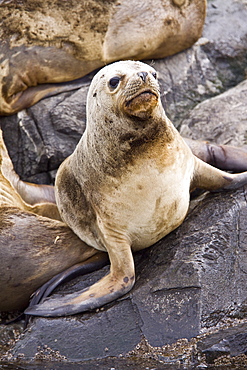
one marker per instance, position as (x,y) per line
(51,253)
(33,248)
(224,157)
(128,182)
(38,199)
(46,43)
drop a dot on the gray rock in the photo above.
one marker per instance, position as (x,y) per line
(186,283)
(40,138)
(215,63)
(233,344)
(222,119)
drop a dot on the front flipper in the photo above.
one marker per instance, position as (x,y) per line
(118,282)
(224,157)
(38,199)
(30,96)
(30,193)
(93,263)
(28,74)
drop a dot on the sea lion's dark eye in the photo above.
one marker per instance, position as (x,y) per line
(114,81)
(155,75)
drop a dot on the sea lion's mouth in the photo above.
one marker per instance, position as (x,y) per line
(145,94)
(141,104)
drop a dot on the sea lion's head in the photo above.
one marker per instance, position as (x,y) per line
(127,88)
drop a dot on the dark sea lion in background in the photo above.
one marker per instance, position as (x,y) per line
(33,249)
(45,43)
(128,182)
(224,157)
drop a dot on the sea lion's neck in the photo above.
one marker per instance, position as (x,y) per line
(113,145)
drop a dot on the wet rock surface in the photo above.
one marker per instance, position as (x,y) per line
(189,303)
(191,284)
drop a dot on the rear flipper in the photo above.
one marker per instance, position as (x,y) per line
(118,282)
(211,178)
(224,157)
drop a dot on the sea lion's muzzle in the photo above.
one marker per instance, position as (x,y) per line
(142,104)
(142,95)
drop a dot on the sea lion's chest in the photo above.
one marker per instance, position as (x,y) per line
(150,200)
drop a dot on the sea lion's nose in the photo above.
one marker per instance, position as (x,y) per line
(143,75)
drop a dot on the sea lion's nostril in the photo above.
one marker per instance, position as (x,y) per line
(143,75)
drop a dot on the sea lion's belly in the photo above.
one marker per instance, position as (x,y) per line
(147,204)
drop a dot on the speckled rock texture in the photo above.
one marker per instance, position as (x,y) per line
(189,303)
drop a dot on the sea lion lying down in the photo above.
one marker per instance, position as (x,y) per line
(33,247)
(126,185)
(44,46)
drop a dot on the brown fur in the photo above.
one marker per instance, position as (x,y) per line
(33,248)
(50,43)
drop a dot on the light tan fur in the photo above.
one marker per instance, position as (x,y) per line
(127,184)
